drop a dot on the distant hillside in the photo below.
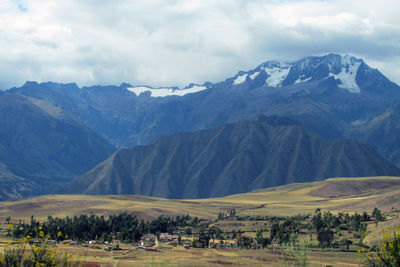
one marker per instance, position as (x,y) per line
(334,96)
(233,158)
(12,186)
(52,132)
(335,194)
(42,146)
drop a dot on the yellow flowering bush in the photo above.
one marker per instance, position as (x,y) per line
(386,253)
(33,253)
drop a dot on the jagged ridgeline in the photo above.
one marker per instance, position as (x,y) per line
(233,158)
(53,132)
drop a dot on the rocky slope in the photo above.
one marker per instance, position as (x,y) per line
(233,158)
(52,132)
(44,146)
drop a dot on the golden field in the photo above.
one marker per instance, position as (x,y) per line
(336,194)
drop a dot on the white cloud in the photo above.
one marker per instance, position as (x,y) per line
(175,42)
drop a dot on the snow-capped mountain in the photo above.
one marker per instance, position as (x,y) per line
(344,69)
(333,96)
(165,91)
(272,73)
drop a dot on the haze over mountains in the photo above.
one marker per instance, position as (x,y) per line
(55,132)
(43,146)
(229,159)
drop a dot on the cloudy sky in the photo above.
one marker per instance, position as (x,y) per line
(175,42)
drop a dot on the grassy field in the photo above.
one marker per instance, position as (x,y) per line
(338,194)
(179,256)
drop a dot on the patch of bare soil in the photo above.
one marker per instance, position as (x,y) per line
(221,262)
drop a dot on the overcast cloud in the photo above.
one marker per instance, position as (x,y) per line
(175,42)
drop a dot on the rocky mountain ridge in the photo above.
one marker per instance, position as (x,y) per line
(333,96)
(233,158)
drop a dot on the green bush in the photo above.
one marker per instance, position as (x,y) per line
(297,255)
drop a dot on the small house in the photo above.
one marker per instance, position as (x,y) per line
(164,236)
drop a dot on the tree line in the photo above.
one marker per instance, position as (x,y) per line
(125,227)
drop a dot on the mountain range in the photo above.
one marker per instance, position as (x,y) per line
(42,147)
(54,132)
(233,158)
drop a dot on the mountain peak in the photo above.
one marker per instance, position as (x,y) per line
(235,158)
(30,83)
(343,68)
(52,85)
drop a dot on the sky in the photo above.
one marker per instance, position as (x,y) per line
(177,42)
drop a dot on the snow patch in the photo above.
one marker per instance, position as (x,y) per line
(240,79)
(163,92)
(347,76)
(254,75)
(276,75)
(358,122)
(300,80)
(193,89)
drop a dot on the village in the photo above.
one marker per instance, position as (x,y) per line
(150,242)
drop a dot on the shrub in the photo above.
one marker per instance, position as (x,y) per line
(28,253)
(357,235)
(297,255)
(387,251)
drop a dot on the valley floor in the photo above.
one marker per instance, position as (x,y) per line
(334,195)
(179,256)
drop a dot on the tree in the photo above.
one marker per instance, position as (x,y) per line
(109,238)
(212,232)
(375,212)
(356,222)
(265,242)
(234,234)
(363,228)
(365,217)
(317,222)
(325,237)
(297,254)
(274,230)
(378,215)
(232,213)
(244,241)
(179,239)
(204,238)
(188,231)
(220,237)
(346,242)
(262,241)
(288,231)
